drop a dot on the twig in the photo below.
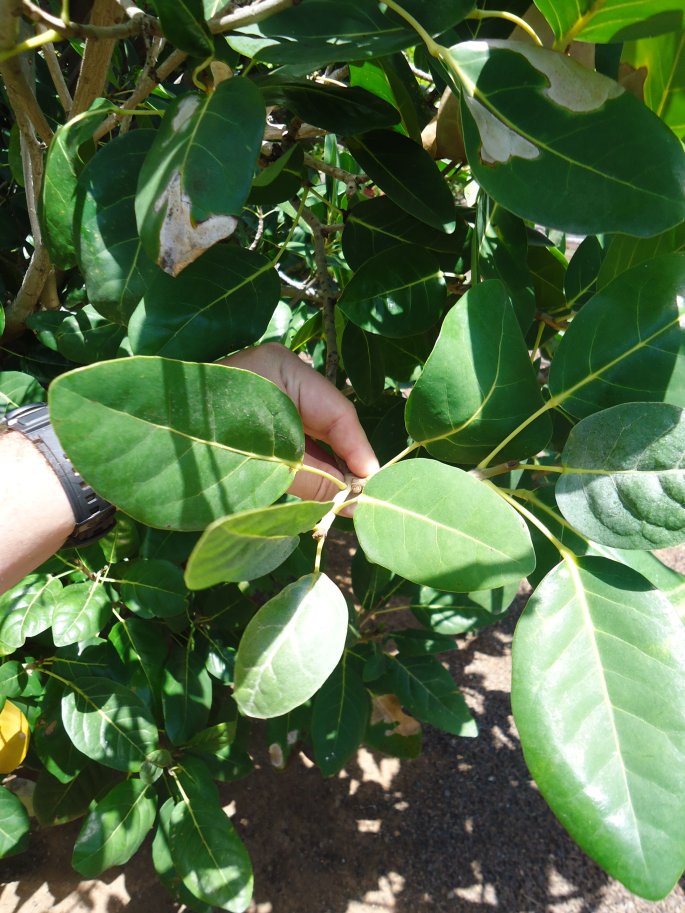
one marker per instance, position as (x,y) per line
(92,29)
(248,15)
(260,229)
(28,295)
(328,293)
(22,100)
(57,76)
(339,173)
(96,57)
(153,52)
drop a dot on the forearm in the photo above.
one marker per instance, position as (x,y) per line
(35,515)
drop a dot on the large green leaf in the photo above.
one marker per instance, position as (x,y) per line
(183,23)
(143,650)
(164,865)
(362,355)
(398,292)
(610,20)
(63,165)
(627,343)
(340,717)
(57,802)
(186,694)
(176,444)
(440,526)
(108,250)
(623,252)
(428,692)
(375,225)
(598,679)
(457,613)
(84,336)
(82,610)
(663,59)
(335,108)
(219,304)
(534,118)
(209,856)
(290,647)
(250,544)
(478,384)
(198,172)
(108,723)
(14,824)
(17,388)
(114,828)
(27,609)
(624,476)
(153,588)
(407,174)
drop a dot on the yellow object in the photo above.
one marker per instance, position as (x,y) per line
(14,737)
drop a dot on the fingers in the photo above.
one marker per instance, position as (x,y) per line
(313,487)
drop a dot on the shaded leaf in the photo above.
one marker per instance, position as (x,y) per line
(183,23)
(14,824)
(341,714)
(153,588)
(55,802)
(186,694)
(457,613)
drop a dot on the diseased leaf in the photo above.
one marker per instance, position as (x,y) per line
(176,444)
(290,647)
(439,526)
(598,658)
(624,476)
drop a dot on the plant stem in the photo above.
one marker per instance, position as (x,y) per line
(402,454)
(433,47)
(328,293)
(565,553)
(509,17)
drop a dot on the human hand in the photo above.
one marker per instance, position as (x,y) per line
(326,416)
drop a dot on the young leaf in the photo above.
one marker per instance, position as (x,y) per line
(610,20)
(186,694)
(221,303)
(460,408)
(290,647)
(81,612)
(626,344)
(27,609)
(14,824)
(598,658)
(209,856)
(108,723)
(438,525)
(624,476)
(536,118)
(153,588)
(198,172)
(398,292)
(139,429)
(426,689)
(251,544)
(108,250)
(58,189)
(114,828)
(341,714)
(407,174)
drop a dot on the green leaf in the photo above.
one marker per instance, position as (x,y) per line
(290,647)
(82,610)
(164,866)
(427,691)
(341,714)
(209,856)
(177,444)
(458,613)
(362,355)
(536,118)
(375,225)
(221,303)
(114,829)
(280,180)
(14,824)
(63,165)
(108,723)
(59,755)
(398,292)
(580,281)
(108,250)
(460,409)
(626,344)
(284,734)
(183,23)
(57,802)
(27,609)
(598,658)
(186,694)
(610,20)
(153,588)
(143,649)
(17,389)
(624,253)
(334,108)
(663,59)
(83,337)
(251,544)
(13,679)
(382,737)
(198,172)
(407,174)
(624,476)
(440,526)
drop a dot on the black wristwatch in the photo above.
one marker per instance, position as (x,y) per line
(94,516)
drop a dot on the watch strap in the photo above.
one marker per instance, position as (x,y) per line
(93,515)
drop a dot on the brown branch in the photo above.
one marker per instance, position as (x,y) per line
(92,29)
(248,15)
(57,76)
(339,173)
(328,292)
(29,293)
(96,57)
(22,100)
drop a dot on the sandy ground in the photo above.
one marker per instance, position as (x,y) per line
(460,830)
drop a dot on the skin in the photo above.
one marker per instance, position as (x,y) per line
(36,517)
